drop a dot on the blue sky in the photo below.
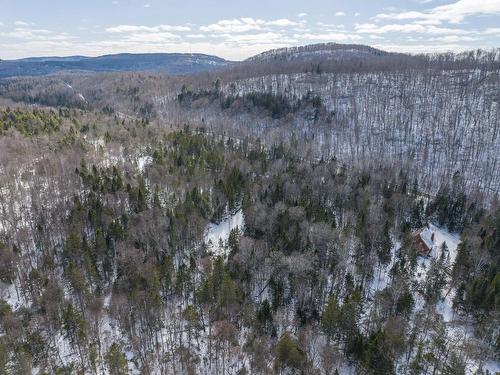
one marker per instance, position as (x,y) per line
(236,29)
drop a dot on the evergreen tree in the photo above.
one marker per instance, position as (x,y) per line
(228,296)
(264,313)
(116,360)
(435,281)
(330,320)
(288,354)
(377,358)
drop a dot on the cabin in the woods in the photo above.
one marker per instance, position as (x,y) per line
(423,240)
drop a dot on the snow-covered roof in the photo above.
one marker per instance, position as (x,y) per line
(426,236)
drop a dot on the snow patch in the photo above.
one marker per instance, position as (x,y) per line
(217,232)
(143,161)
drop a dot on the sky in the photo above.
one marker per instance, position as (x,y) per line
(237,29)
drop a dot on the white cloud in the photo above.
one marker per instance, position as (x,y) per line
(340,14)
(28,34)
(282,22)
(254,38)
(370,28)
(454,13)
(241,37)
(421,48)
(151,29)
(21,23)
(329,37)
(234,26)
(357,14)
(147,5)
(492,30)
(246,24)
(330,27)
(152,37)
(453,39)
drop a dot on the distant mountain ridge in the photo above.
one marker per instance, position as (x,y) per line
(313,57)
(323,50)
(51,58)
(170,63)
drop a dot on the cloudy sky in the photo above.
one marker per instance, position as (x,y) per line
(236,29)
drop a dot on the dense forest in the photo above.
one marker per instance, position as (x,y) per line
(107,267)
(432,114)
(320,210)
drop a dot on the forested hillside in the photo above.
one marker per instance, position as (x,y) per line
(171,63)
(434,115)
(431,120)
(131,247)
(320,210)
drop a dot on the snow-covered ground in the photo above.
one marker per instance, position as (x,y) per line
(492,366)
(382,276)
(10,295)
(444,307)
(215,233)
(442,235)
(457,329)
(367,107)
(143,161)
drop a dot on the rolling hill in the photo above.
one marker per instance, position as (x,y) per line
(170,63)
